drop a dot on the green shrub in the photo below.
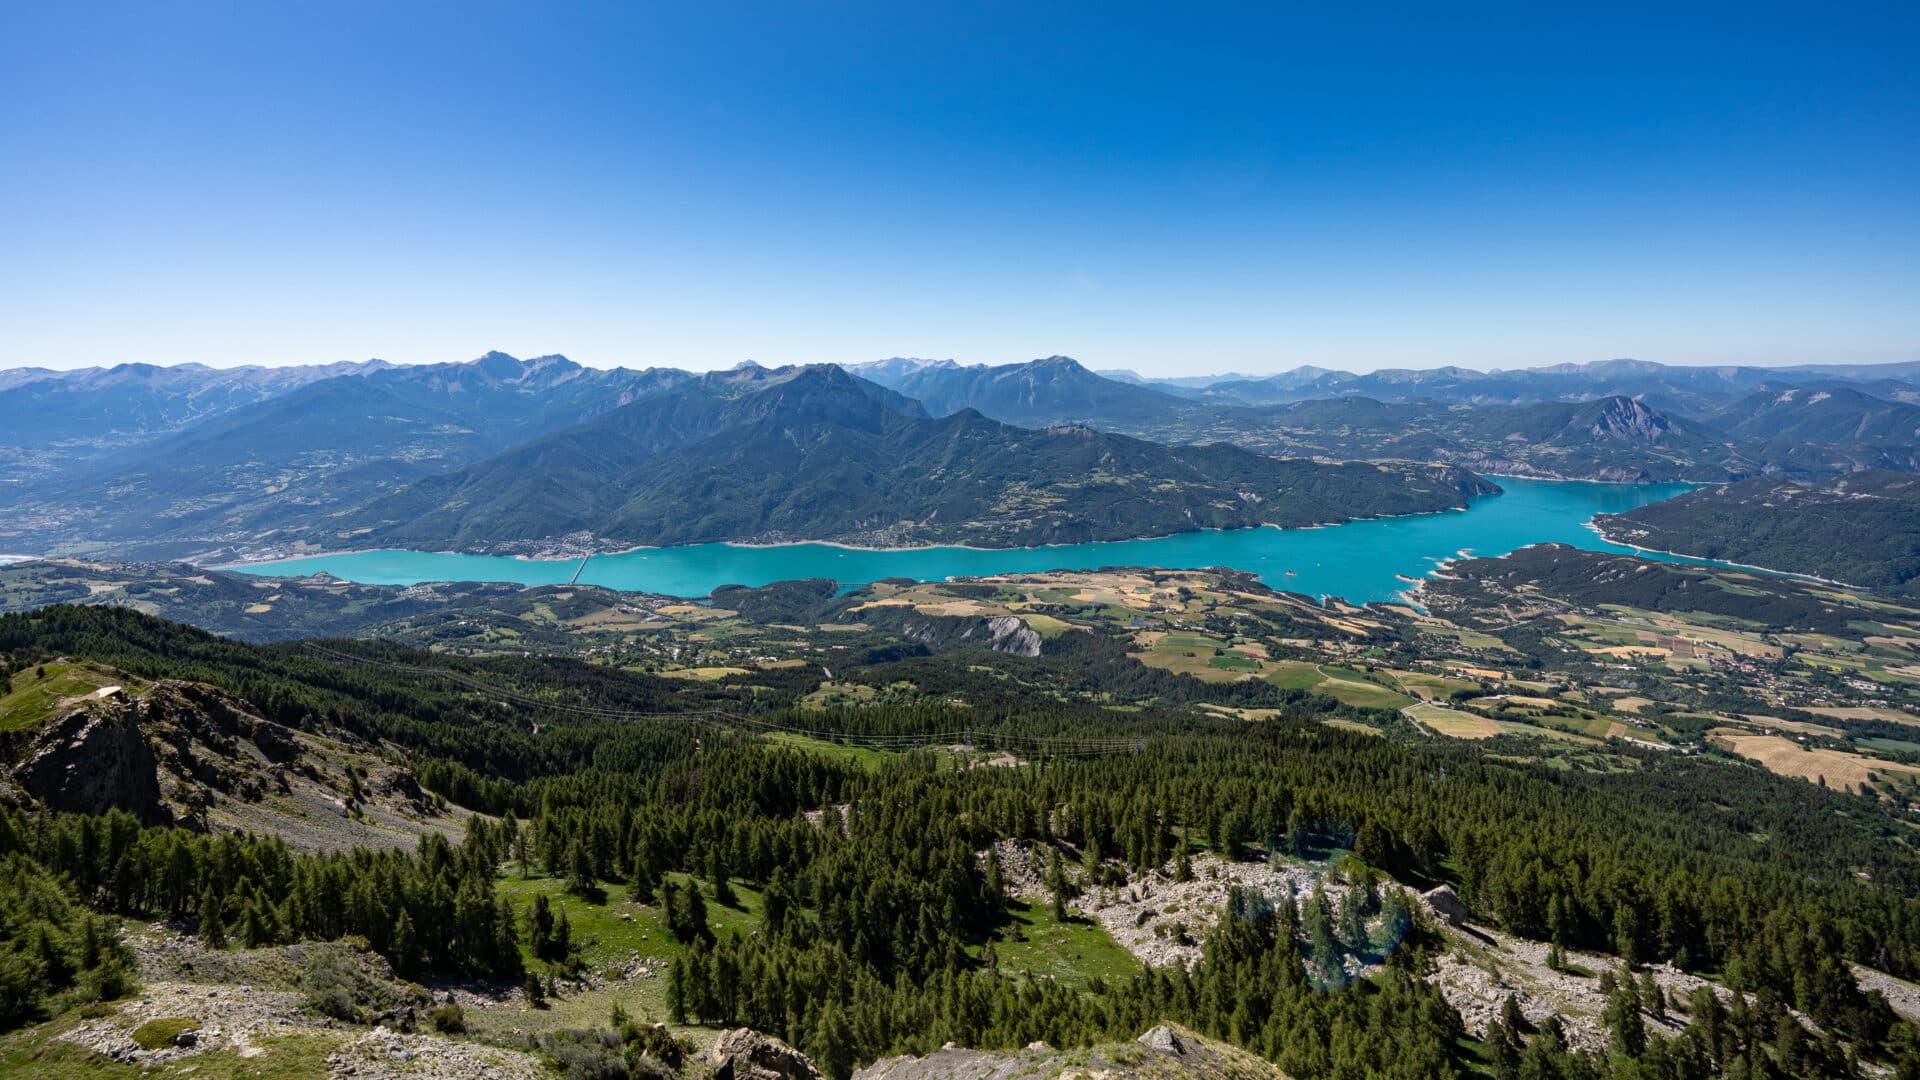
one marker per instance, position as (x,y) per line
(448,1020)
(155,1034)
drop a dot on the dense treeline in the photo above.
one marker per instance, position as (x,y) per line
(430,912)
(1863,528)
(871,917)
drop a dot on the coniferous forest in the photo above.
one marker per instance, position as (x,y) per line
(877,911)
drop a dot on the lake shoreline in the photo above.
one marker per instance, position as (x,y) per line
(1365,560)
(1709,560)
(249,565)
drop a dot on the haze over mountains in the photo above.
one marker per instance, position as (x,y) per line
(545,454)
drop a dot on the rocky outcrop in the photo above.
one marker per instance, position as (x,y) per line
(93,759)
(745,1054)
(1001,633)
(1163,1039)
(1008,634)
(1626,420)
(1162,1053)
(193,755)
(1445,905)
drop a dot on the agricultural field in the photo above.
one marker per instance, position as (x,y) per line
(1833,768)
(1454,723)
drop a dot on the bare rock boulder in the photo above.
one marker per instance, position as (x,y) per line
(1164,1040)
(745,1054)
(1445,905)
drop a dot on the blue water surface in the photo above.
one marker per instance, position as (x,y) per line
(1359,561)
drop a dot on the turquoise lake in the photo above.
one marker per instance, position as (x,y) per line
(1359,561)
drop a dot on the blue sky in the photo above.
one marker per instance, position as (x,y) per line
(1176,188)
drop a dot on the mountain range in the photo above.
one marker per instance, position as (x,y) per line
(817,454)
(545,454)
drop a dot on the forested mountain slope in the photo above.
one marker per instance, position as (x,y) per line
(1862,529)
(825,456)
(876,913)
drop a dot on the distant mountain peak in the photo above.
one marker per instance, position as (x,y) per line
(497,365)
(507,368)
(1622,419)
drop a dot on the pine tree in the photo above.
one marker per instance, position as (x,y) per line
(1057,884)
(253,926)
(1628,1031)
(1297,839)
(1513,1020)
(717,876)
(540,927)
(521,854)
(831,1043)
(580,879)
(213,928)
(535,990)
(1323,948)
(677,992)
(562,944)
(404,949)
(644,877)
(1353,928)
(1652,997)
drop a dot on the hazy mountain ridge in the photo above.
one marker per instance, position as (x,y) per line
(361,448)
(1054,390)
(58,418)
(1471,418)
(1668,386)
(326,445)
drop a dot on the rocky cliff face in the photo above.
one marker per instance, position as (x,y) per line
(93,759)
(1000,633)
(193,755)
(1008,634)
(1626,420)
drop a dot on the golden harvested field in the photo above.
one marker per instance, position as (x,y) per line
(1866,713)
(1455,723)
(1778,724)
(1789,758)
(702,674)
(1628,652)
(958,607)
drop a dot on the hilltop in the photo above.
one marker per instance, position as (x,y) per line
(1862,529)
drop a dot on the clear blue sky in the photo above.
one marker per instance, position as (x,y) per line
(1176,188)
